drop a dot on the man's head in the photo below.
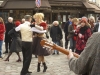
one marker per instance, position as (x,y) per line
(10,19)
(28,18)
(55,23)
(70,18)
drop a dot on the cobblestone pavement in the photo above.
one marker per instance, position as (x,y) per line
(57,65)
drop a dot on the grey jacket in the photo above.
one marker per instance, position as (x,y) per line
(70,31)
(89,60)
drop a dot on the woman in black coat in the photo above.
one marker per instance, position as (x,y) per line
(16,43)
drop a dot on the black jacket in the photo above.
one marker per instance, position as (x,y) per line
(66,27)
(56,33)
(8,27)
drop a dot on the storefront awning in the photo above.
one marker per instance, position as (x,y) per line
(24,4)
(92,7)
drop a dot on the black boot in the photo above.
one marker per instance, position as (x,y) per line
(45,67)
(38,67)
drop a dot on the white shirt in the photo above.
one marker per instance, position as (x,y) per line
(25,30)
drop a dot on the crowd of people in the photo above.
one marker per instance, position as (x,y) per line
(25,36)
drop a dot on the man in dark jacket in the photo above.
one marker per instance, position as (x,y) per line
(56,34)
(8,27)
(69,22)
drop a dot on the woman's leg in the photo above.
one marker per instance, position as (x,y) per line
(44,64)
(7,59)
(19,58)
(39,62)
(1,42)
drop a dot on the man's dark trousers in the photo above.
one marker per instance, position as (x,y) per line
(27,56)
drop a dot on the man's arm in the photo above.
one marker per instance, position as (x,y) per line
(18,28)
(85,62)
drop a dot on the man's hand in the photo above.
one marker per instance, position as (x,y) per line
(70,54)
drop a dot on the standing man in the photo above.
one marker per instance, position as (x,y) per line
(26,35)
(69,22)
(8,27)
(56,34)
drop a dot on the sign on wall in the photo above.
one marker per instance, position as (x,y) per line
(38,3)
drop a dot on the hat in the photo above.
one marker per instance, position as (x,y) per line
(98,18)
(27,17)
(17,23)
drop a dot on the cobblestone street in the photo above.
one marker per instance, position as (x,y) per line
(57,65)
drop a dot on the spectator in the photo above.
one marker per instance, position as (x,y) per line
(2,30)
(84,32)
(56,34)
(71,35)
(69,22)
(8,27)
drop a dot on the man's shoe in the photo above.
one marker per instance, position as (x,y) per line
(29,72)
(5,52)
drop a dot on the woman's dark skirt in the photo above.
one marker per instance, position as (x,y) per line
(37,48)
(16,45)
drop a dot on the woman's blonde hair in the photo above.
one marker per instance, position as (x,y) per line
(91,17)
(1,19)
(75,20)
(39,16)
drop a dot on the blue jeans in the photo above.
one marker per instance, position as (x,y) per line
(72,44)
(1,42)
(58,43)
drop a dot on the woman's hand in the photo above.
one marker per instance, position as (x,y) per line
(80,35)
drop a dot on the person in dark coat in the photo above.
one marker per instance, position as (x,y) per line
(16,45)
(69,22)
(8,27)
(56,34)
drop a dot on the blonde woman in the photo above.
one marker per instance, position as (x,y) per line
(2,30)
(41,26)
(91,22)
(71,35)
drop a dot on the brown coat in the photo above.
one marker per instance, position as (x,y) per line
(89,60)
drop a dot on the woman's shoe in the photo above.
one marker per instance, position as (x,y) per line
(6,60)
(19,60)
(38,67)
(45,67)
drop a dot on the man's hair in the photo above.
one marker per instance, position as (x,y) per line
(27,17)
(10,18)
